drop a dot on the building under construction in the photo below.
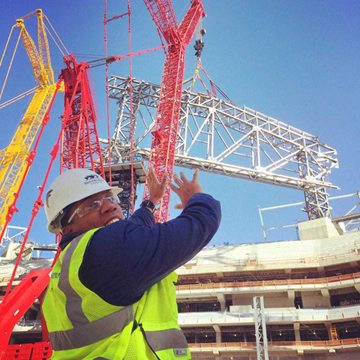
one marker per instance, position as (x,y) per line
(288,300)
(310,291)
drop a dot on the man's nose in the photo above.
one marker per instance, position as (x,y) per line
(122,215)
(107,206)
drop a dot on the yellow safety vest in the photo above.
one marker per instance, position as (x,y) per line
(83,326)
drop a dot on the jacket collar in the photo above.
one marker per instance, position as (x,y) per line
(67,238)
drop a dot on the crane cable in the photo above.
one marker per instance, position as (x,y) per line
(18,97)
(214,87)
(57,45)
(131,102)
(12,59)
(131,116)
(7,43)
(107,93)
(67,51)
(196,75)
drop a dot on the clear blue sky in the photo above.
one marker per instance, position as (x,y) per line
(296,61)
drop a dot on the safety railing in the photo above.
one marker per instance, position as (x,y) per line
(237,317)
(264,283)
(325,344)
(286,260)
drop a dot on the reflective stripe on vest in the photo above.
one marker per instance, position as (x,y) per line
(166,339)
(84,332)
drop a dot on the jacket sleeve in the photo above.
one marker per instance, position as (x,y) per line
(142,216)
(125,259)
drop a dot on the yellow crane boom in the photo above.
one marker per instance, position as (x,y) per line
(13,158)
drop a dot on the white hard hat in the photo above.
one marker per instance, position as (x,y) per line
(71,186)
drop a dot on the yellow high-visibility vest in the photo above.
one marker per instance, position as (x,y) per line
(83,326)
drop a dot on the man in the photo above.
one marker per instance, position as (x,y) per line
(111,293)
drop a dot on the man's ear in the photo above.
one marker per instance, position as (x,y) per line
(67,229)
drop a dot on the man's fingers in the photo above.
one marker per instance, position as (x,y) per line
(196,175)
(164,179)
(150,173)
(177,180)
(174,188)
(183,177)
(179,206)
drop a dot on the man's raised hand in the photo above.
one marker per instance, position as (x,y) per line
(156,189)
(185,189)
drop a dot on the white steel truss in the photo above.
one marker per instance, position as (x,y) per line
(218,137)
(260,329)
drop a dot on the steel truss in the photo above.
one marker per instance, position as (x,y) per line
(260,328)
(219,137)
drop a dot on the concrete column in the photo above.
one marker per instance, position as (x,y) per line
(321,270)
(245,339)
(297,332)
(325,293)
(218,333)
(221,299)
(196,338)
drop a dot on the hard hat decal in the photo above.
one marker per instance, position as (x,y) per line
(48,194)
(92,179)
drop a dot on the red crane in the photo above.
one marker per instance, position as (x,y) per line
(80,147)
(163,145)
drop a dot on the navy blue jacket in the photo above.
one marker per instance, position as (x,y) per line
(126,258)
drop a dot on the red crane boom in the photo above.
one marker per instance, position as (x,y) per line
(163,145)
(80,146)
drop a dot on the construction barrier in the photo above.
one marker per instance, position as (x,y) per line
(37,351)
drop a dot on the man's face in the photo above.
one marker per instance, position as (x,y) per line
(86,218)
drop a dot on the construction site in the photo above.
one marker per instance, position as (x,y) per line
(163,84)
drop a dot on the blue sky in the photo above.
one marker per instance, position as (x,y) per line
(296,61)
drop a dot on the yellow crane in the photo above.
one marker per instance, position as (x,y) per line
(13,158)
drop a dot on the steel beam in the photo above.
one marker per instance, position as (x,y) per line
(218,137)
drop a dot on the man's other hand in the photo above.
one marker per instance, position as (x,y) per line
(156,189)
(186,189)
